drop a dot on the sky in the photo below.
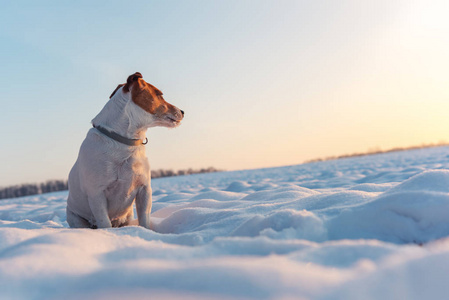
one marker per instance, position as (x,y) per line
(262,83)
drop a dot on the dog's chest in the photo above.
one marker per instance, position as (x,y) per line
(131,174)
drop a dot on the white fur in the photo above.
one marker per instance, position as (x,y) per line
(108,175)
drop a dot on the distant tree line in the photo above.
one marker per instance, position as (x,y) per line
(33,189)
(377,150)
(167,173)
(49,186)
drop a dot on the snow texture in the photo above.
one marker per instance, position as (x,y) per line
(372,227)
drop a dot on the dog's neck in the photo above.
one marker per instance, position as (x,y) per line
(121,115)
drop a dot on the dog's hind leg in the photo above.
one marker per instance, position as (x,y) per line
(130,218)
(126,220)
(76,221)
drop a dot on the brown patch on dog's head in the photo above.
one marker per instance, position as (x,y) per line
(148,97)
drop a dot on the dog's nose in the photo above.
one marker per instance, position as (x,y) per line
(182,112)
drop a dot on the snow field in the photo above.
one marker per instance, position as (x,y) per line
(361,228)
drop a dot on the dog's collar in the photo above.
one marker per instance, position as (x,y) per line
(121,139)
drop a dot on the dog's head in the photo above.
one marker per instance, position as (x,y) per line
(150,99)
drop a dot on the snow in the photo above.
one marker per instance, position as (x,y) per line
(374,227)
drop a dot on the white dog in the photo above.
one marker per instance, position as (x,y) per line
(112,169)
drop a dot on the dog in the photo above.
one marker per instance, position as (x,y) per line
(112,170)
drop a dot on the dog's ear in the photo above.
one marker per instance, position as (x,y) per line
(131,79)
(118,86)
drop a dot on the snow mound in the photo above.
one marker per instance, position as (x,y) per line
(431,181)
(284,224)
(238,186)
(414,211)
(218,195)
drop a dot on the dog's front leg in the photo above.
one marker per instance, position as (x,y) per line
(143,206)
(99,207)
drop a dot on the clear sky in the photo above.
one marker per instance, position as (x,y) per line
(262,83)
